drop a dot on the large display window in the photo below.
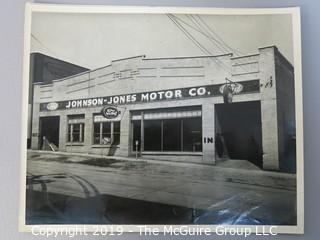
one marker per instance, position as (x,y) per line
(176,130)
(152,135)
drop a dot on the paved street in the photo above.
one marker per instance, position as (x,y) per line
(125,189)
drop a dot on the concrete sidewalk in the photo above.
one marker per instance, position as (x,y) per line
(226,172)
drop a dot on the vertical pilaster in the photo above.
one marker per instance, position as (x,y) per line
(81,133)
(63,131)
(269,120)
(88,131)
(100,132)
(208,147)
(111,132)
(124,147)
(35,127)
(142,133)
(71,132)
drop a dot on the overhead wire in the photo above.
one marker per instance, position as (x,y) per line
(194,28)
(218,37)
(219,43)
(216,43)
(220,40)
(201,27)
(42,45)
(187,34)
(197,43)
(55,54)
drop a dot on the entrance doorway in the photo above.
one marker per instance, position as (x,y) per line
(49,130)
(238,132)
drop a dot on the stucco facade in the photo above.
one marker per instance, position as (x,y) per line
(145,89)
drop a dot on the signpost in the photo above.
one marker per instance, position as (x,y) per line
(137,143)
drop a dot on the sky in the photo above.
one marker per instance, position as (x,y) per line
(94,40)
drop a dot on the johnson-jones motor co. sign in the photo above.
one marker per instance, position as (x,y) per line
(144,97)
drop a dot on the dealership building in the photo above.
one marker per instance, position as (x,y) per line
(174,109)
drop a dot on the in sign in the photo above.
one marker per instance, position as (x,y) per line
(208,140)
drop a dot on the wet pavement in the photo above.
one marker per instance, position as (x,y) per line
(78,189)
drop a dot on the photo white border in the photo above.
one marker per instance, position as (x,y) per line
(57,8)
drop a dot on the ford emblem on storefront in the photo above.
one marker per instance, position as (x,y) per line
(110,112)
(236,88)
(52,106)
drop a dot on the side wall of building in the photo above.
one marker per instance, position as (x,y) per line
(285,113)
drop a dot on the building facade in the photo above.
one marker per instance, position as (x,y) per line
(44,69)
(175,109)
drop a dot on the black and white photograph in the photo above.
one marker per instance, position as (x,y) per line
(162,116)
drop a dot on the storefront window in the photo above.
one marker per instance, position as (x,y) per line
(192,137)
(169,135)
(152,135)
(106,133)
(96,133)
(172,135)
(116,133)
(75,128)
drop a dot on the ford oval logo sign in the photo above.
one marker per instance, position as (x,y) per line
(235,87)
(110,112)
(52,106)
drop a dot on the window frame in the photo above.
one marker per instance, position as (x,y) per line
(71,122)
(112,133)
(182,146)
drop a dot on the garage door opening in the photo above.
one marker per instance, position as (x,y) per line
(49,133)
(238,131)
